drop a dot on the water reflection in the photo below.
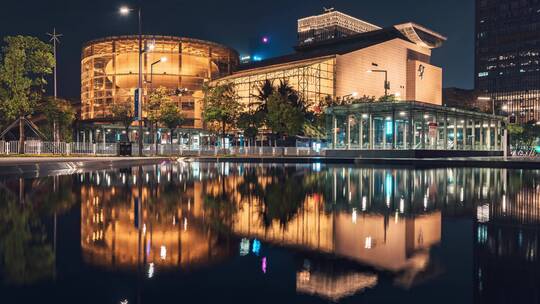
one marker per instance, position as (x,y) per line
(26,254)
(350,230)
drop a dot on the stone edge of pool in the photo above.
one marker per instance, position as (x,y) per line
(28,167)
(482,162)
(51,166)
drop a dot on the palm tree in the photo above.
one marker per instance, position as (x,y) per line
(264,91)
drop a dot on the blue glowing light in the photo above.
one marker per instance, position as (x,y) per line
(256,246)
(388,185)
(257,58)
(389,128)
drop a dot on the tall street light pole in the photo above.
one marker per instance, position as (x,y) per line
(162,59)
(124,10)
(55,39)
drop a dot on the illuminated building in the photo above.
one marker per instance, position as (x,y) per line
(507,242)
(329,25)
(340,67)
(109,73)
(412,129)
(507,67)
(122,227)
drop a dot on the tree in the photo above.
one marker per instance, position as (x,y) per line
(388,98)
(221,106)
(515,132)
(59,111)
(283,118)
(26,61)
(152,107)
(524,135)
(171,117)
(250,124)
(264,91)
(123,112)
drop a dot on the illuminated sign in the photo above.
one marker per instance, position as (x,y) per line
(421,71)
(389,128)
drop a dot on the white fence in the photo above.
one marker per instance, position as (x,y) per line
(108,149)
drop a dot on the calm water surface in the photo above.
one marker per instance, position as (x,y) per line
(228,233)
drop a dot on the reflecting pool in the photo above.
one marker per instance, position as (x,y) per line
(251,233)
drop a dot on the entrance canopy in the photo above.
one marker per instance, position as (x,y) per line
(410,125)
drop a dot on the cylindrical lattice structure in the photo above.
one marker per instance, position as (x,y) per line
(109,72)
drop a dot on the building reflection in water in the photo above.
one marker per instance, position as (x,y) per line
(506,243)
(157,224)
(185,215)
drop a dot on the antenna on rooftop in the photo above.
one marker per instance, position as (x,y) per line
(328,10)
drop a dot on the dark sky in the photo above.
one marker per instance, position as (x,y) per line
(233,23)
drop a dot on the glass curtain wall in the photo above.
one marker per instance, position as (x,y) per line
(399,126)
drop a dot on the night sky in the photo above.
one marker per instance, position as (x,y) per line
(233,23)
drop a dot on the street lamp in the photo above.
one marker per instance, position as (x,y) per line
(352,95)
(386,84)
(124,10)
(162,59)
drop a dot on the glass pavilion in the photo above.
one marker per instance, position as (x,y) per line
(409,125)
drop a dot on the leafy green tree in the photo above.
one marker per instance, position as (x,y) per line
(171,116)
(59,111)
(152,107)
(123,112)
(221,107)
(515,132)
(25,62)
(388,98)
(283,118)
(250,124)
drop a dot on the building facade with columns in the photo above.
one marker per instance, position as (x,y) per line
(414,126)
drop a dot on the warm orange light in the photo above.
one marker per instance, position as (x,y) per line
(124,10)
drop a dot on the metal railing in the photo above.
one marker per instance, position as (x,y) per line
(111,149)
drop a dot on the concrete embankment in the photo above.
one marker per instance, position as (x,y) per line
(41,166)
(480,162)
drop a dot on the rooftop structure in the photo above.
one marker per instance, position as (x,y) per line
(329,25)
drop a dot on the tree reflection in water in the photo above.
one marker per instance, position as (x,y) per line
(346,225)
(26,253)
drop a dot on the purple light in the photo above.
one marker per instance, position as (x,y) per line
(263,265)
(265,39)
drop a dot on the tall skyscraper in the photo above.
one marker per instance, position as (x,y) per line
(508,56)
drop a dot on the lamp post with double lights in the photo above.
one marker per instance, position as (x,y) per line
(124,10)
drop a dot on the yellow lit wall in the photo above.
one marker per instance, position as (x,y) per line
(110,66)
(352,73)
(424,82)
(347,74)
